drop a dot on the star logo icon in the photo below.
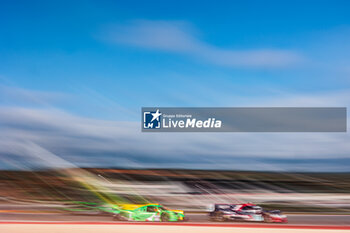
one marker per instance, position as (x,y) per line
(156,115)
(152,119)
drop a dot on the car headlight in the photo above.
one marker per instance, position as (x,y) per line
(278,216)
(226,212)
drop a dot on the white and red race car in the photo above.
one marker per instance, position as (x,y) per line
(245,212)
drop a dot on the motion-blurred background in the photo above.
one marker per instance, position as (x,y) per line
(84,191)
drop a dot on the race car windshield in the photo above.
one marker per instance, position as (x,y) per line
(152,209)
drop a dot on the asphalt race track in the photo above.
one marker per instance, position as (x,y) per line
(302,219)
(198,223)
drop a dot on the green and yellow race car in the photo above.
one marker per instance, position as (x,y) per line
(148,212)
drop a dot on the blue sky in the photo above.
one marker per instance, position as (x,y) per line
(97,63)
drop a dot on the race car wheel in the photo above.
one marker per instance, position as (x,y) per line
(164,218)
(118,217)
(218,218)
(267,219)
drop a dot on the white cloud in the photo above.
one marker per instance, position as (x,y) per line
(85,141)
(18,95)
(28,135)
(178,37)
